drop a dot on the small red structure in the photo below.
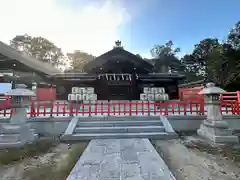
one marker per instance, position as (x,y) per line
(46,94)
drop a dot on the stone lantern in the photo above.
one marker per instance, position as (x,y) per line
(20,99)
(18,132)
(214,127)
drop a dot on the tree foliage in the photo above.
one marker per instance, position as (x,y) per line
(39,48)
(165,58)
(78,59)
(234,36)
(216,61)
(210,60)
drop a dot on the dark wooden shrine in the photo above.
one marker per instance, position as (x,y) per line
(117,75)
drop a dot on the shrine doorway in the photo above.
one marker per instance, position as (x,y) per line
(117,87)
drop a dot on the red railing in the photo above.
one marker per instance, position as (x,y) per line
(191,94)
(230,97)
(5,102)
(122,108)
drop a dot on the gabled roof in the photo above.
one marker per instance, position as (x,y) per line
(26,60)
(102,59)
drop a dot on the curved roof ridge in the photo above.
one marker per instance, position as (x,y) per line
(104,57)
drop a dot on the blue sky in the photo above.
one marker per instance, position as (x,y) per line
(93,25)
(185,22)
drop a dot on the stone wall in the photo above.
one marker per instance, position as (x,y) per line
(57,126)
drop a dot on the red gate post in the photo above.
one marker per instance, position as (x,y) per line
(90,108)
(114,108)
(124,109)
(44,109)
(37,106)
(95,107)
(130,108)
(119,108)
(64,108)
(166,108)
(51,109)
(77,106)
(109,109)
(154,107)
(136,107)
(70,109)
(57,108)
(101,108)
(83,109)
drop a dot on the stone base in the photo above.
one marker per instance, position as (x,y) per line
(13,135)
(216,124)
(217,135)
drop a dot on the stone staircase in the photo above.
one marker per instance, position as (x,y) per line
(15,135)
(119,127)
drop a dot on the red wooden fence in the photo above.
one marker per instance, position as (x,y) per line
(123,108)
(46,94)
(191,94)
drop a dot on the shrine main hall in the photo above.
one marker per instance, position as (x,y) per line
(117,75)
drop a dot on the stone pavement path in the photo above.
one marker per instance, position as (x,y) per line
(125,159)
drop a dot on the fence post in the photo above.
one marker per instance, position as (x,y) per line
(238,96)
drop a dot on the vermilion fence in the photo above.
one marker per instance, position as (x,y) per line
(121,108)
(191,94)
(5,102)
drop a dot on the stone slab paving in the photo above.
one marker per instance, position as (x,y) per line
(120,159)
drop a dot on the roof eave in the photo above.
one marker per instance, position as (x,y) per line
(27,60)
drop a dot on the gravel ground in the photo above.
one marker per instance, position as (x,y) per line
(16,171)
(193,164)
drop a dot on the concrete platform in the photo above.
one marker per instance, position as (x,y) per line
(120,159)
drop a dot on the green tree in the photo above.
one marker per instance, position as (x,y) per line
(234,36)
(191,68)
(78,59)
(202,55)
(165,58)
(39,48)
(213,61)
(138,55)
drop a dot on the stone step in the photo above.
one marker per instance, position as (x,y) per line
(7,145)
(90,136)
(10,129)
(121,129)
(120,118)
(117,123)
(13,129)
(5,138)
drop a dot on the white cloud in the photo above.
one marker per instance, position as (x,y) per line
(92,28)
